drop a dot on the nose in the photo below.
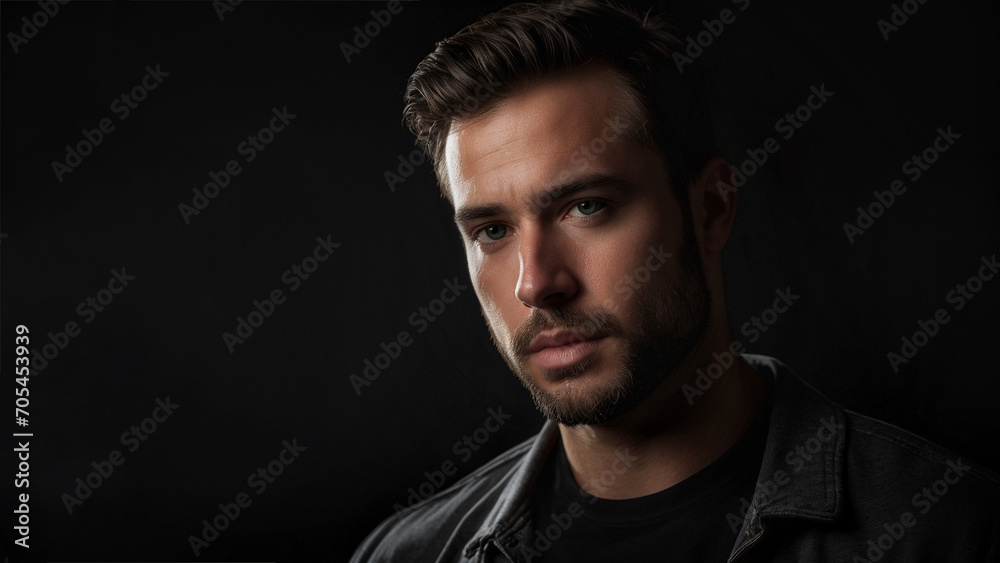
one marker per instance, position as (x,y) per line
(546,278)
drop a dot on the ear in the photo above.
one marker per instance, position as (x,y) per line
(713,201)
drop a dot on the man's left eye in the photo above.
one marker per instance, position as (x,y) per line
(585,208)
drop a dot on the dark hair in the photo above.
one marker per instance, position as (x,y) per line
(486,62)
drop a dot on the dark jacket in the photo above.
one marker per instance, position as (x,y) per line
(834,485)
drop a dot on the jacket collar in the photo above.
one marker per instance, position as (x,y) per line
(801,474)
(512,511)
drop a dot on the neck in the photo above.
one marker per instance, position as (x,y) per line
(671,435)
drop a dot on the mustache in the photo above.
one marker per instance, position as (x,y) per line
(583,323)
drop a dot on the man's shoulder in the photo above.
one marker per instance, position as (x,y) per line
(878,453)
(890,447)
(871,443)
(882,448)
(856,488)
(443,522)
(900,485)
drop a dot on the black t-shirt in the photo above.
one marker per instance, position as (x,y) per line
(695,520)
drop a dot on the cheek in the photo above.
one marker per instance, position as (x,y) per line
(494,281)
(617,260)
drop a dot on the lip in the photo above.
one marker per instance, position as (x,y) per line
(563,348)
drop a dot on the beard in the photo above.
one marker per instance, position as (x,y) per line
(671,317)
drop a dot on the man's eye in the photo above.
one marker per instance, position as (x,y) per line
(585,208)
(491,233)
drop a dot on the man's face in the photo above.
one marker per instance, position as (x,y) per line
(588,275)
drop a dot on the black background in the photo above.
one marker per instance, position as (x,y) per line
(323,175)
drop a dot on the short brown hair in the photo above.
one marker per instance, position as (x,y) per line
(470,72)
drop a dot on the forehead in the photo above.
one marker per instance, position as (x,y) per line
(563,126)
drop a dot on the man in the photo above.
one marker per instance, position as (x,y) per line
(594,211)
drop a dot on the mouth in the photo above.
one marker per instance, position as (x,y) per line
(562,349)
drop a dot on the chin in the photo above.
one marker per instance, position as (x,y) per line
(595,394)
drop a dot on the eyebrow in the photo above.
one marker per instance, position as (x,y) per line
(550,195)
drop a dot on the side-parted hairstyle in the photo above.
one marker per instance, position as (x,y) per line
(490,60)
